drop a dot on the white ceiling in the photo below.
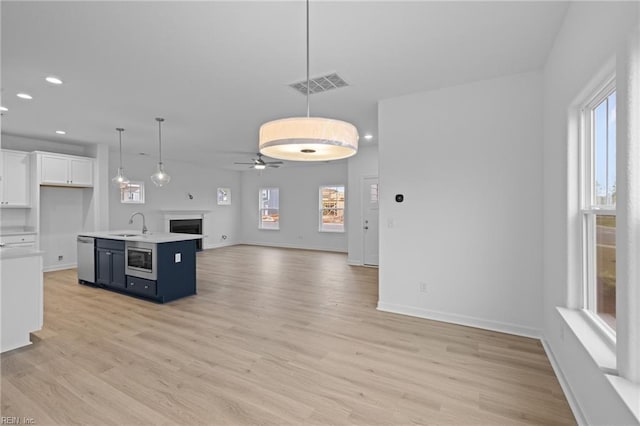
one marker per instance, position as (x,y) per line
(217,70)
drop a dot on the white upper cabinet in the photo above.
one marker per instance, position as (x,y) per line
(14,179)
(54,170)
(65,170)
(81,171)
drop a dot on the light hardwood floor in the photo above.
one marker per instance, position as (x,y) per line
(274,336)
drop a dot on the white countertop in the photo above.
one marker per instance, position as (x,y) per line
(150,237)
(18,252)
(16,230)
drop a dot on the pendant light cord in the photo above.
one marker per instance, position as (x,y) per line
(120,132)
(307,58)
(160,120)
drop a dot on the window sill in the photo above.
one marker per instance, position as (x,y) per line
(629,393)
(603,354)
(331,231)
(596,345)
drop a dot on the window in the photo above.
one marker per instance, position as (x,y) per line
(332,209)
(373,193)
(224,196)
(132,193)
(599,206)
(269,206)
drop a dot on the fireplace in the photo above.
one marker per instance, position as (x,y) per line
(187,226)
(187,222)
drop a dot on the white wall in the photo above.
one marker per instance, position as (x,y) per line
(64,214)
(468,161)
(13,218)
(589,37)
(363,164)
(299,208)
(20,143)
(201,182)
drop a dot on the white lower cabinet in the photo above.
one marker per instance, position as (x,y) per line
(26,240)
(21,298)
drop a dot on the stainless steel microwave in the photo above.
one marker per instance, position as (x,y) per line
(141,259)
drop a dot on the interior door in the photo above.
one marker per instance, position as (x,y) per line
(370,220)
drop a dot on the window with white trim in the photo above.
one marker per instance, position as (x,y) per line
(133,192)
(598,206)
(269,208)
(332,202)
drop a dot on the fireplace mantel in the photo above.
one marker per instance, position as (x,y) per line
(183,214)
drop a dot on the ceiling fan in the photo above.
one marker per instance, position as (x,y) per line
(260,164)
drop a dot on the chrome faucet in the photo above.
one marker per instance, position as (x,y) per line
(144,226)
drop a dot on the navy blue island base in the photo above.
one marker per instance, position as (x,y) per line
(175,270)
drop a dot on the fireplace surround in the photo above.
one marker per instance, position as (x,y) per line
(186,222)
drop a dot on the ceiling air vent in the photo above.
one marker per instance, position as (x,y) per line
(320,84)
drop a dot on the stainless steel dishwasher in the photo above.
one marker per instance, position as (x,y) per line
(86,260)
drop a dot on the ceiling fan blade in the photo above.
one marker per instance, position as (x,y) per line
(245,163)
(273,162)
(273,166)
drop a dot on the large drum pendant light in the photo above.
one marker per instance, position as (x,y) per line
(308,138)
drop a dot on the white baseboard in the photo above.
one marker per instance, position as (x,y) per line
(59,267)
(294,246)
(354,262)
(484,324)
(571,399)
(218,245)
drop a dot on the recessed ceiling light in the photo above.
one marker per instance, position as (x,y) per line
(24,96)
(4,108)
(61,132)
(368,136)
(53,80)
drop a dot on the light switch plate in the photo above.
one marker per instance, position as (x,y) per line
(178,257)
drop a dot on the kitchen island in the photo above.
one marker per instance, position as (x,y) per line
(155,266)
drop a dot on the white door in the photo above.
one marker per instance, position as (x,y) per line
(370,220)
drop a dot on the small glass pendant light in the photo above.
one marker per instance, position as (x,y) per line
(120,178)
(160,177)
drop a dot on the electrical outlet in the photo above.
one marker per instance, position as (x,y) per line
(423,287)
(60,258)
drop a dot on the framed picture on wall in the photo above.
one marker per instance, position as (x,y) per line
(224,196)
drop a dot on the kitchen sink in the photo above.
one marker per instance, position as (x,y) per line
(126,235)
